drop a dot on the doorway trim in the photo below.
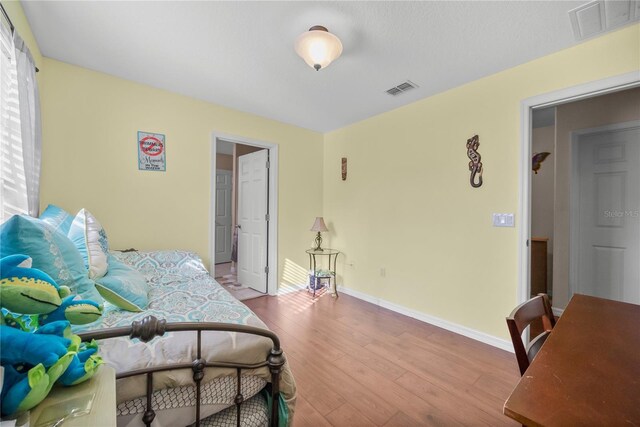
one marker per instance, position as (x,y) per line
(272,229)
(550,99)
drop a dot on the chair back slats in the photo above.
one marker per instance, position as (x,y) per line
(524,315)
(532,310)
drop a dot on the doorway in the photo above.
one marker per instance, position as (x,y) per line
(224,212)
(605,212)
(581,201)
(243,232)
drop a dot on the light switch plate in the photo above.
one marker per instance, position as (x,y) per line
(503,220)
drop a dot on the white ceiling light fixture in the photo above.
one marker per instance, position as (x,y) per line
(318,47)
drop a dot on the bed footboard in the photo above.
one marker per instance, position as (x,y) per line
(151,327)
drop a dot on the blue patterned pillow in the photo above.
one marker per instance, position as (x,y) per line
(58,218)
(124,286)
(51,252)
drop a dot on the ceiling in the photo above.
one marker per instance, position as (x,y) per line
(240,54)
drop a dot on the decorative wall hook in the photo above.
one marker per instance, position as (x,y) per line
(537,160)
(475,165)
(344,168)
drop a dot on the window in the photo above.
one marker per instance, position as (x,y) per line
(20,133)
(13,188)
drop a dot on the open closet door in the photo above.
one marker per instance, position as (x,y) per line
(223,216)
(252,220)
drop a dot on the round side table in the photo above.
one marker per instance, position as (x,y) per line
(332,254)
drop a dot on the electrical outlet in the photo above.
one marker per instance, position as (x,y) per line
(383,272)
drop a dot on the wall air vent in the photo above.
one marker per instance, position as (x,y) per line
(401,88)
(599,16)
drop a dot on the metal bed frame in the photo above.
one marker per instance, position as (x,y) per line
(151,327)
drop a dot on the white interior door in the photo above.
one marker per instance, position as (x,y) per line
(252,219)
(607,238)
(224,188)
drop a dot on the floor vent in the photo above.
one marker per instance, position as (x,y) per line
(402,87)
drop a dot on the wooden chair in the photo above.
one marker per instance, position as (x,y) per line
(524,315)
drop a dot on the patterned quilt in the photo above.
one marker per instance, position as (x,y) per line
(181,290)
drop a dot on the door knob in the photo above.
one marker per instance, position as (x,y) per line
(238,226)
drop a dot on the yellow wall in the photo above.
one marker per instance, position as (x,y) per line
(90,121)
(407,205)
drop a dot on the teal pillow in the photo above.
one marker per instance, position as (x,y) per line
(51,252)
(58,218)
(123,286)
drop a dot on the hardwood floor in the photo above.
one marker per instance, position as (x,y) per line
(357,364)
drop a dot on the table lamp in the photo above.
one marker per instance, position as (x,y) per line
(319,226)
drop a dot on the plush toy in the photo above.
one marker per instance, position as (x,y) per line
(83,365)
(27,290)
(38,347)
(32,363)
(77,312)
(20,347)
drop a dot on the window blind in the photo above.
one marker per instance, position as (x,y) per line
(13,188)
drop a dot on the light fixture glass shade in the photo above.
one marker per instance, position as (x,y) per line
(318,47)
(319,225)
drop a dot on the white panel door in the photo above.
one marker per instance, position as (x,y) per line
(224,188)
(252,220)
(608,233)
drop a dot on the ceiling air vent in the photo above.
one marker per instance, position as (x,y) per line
(599,16)
(402,87)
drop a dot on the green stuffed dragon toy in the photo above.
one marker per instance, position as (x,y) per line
(38,347)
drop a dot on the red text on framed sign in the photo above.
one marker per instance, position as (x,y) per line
(151,151)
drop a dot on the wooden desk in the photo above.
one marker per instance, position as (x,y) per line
(588,370)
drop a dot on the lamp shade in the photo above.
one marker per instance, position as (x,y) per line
(319,225)
(318,47)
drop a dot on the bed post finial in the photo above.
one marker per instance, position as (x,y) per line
(148,328)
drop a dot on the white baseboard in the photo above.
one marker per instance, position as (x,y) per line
(436,321)
(557,311)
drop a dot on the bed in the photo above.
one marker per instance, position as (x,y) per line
(194,343)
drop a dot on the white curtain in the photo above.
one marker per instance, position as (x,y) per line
(13,189)
(31,131)
(20,134)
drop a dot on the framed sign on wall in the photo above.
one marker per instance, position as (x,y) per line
(151,151)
